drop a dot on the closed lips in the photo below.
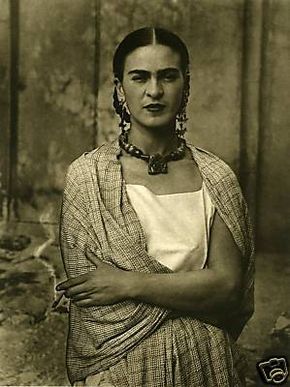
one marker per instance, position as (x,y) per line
(154,106)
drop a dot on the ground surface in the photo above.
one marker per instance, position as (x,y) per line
(33,335)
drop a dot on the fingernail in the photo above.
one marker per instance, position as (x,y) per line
(57,301)
(54,304)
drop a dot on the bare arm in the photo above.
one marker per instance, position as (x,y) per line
(205,294)
(202,292)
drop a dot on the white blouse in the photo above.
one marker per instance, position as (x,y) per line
(177,226)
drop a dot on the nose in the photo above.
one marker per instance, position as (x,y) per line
(154,88)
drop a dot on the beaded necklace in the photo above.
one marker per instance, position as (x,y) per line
(156,163)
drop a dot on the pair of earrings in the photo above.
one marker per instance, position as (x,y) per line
(124,124)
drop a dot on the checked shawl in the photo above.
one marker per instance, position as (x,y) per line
(141,344)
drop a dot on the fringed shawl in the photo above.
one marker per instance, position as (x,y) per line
(141,341)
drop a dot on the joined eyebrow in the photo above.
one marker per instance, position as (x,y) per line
(172,70)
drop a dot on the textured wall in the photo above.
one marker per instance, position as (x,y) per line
(56,104)
(4,99)
(66,50)
(212,31)
(274,181)
(65,93)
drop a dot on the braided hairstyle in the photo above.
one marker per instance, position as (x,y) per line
(144,37)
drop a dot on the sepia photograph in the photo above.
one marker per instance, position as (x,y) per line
(144,193)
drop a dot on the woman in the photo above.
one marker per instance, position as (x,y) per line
(155,239)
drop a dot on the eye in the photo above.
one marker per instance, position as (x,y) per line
(139,78)
(170,77)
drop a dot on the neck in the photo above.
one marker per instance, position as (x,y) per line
(154,140)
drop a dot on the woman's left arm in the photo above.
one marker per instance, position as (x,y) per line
(202,293)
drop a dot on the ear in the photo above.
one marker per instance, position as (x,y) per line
(119,88)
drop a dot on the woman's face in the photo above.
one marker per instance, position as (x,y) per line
(152,85)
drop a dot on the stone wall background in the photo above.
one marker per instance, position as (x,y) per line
(59,54)
(56,102)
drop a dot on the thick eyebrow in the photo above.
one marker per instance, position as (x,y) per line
(139,72)
(171,70)
(159,72)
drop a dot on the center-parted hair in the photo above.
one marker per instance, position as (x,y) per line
(144,37)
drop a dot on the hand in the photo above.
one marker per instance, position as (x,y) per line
(104,286)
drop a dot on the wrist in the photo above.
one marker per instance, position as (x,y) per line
(131,284)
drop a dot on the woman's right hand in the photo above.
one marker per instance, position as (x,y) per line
(104,286)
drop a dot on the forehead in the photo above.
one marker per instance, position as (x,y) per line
(152,58)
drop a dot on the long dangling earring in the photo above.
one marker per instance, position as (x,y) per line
(125,118)
(181,116)
(122,111)
(181,119)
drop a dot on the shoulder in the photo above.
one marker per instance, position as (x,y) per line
(213,166)
(227,196)
(96,158)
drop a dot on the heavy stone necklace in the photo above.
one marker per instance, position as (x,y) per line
(156,163)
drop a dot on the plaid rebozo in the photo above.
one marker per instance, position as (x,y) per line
(141,344)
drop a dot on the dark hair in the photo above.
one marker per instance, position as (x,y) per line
(144,37)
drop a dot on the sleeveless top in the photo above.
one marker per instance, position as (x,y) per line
(96,215)
(177,229)
(176,226)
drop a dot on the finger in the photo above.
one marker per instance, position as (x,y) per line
(57,299)
(93,258)
(81,296)
(71,282)
(85,302)
(74,290)
(62,286)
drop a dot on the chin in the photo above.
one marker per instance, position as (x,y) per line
(158,123)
